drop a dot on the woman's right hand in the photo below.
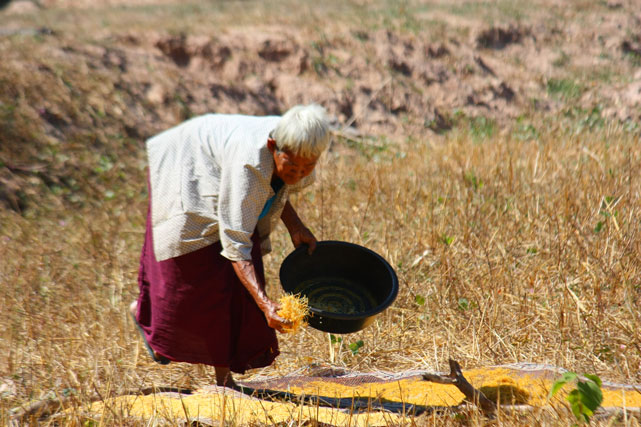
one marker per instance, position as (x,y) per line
(273,319)
(247,275)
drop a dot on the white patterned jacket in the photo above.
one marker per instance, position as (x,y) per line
(210,178)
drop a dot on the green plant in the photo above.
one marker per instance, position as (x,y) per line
(448,240)
(355,346)
(591,119)
(524,131)
(565,89)
(585,398)
(598,227)
(473,181)
(606,212)
(464,304)
(481,128)
(580,119)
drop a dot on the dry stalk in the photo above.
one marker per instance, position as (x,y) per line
(472,395)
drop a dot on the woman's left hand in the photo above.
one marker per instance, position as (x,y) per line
(299,233)
(302,235)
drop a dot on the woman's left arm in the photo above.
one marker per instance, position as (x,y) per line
(299,233)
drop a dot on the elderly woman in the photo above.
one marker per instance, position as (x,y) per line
(218,184)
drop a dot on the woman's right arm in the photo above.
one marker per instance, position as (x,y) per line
(247,275)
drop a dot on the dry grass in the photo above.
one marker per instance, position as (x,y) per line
(506,250)
(497,238)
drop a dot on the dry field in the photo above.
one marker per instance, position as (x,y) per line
(490,151)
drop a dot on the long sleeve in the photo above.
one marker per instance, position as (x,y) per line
(243,193)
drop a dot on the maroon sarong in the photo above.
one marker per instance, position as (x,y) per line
(193,308)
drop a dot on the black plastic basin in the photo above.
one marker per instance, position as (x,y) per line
(347,285)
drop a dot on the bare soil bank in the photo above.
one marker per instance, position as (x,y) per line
(406,70)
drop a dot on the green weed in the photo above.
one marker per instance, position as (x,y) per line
(565,89)
(356,346)
(482,128)
(585,398)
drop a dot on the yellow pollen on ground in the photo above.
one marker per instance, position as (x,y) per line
(499,384)
(235,410)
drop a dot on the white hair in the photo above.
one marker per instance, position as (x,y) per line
(303,130)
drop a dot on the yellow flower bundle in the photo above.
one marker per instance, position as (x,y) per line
(294,308)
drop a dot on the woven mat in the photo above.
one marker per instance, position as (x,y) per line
(335,396)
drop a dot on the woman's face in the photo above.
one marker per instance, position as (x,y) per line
(290,167)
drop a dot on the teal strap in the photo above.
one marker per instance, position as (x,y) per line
(277,184)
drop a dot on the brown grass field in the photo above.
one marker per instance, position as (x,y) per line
(513,221)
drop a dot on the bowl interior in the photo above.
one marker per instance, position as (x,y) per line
(340,279)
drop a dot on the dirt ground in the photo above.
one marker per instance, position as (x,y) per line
(412,70)
(382,82)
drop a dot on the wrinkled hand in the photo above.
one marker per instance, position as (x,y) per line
(303,235)
(247,275)
(274,320)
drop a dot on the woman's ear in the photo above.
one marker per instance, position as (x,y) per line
(271,145)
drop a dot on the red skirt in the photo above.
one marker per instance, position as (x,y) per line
(193,308)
